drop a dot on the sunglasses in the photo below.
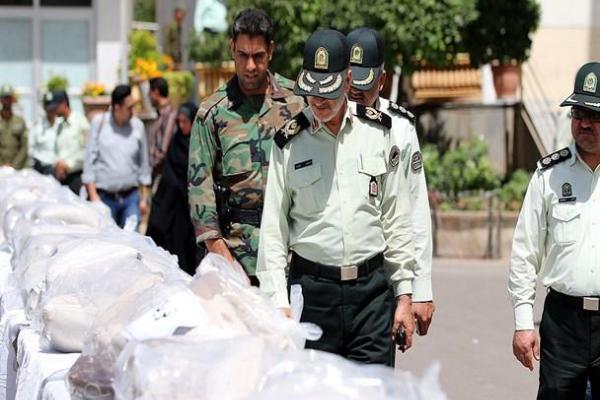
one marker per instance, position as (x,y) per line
(579,114)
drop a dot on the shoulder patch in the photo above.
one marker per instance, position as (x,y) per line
(210,102)
(373,115)
(291,129)
(402,112)
(554,158)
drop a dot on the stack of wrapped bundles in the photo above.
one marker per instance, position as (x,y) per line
(145,329)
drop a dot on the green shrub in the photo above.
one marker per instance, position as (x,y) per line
(209,47)
(56,83)
(181,85)
(512,193)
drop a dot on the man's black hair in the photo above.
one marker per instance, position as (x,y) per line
(252,22)
(161,85)
(119,93)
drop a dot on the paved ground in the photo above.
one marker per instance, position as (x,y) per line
(471,334)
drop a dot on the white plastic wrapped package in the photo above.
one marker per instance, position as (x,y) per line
(215,277)
(249,368)
(156,312)
(89,276)
(48,255)
(181,368)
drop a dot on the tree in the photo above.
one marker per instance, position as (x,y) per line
(144,10)
(425,33)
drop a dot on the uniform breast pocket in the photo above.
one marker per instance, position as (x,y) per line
(306,186)
(371,170)
(237,158)
(566,223)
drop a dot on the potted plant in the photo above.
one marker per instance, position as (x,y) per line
(95,99)
(501,35)
(461,183)
(181,86)
(56,83)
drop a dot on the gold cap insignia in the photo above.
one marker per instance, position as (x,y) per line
(590,82)
(356,55)
(321,58)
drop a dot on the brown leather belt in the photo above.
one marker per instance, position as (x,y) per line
(342,273)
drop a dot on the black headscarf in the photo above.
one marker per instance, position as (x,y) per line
(177,156)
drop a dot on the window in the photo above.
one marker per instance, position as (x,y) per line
(65,3)
(16,2)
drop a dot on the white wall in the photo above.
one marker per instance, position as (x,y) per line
(112,27)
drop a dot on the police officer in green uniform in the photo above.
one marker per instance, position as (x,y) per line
(231,142)
(368,79)
(13,132)
(337,201)
(557,238)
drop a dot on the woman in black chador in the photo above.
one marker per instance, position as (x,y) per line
(170,225)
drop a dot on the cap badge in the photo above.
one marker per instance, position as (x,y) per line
(48,96)
(590,82)
(367,80)
(321,58)
(356,55)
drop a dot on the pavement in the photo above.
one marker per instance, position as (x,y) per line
(471,334)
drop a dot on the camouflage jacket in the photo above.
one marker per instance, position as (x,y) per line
(13,142)
(230,144)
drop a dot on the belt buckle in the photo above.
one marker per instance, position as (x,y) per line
(591,303)
(349,272)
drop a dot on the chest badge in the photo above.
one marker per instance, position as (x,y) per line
(567,193)
(394,156)
(373,187)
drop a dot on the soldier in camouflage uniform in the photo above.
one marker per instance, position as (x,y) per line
(231,143)
(13,132)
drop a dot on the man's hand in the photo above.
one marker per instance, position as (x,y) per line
(423,313)
(287,312)
(143,207)
(526,347)
(403,318)
(61,170)
(219,246)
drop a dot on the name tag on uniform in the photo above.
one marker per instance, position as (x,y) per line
(303,164)
(567,199)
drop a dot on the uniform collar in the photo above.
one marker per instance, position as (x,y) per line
(575,154)
(236,96)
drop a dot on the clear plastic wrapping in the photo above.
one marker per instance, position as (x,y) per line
(216,279)
(181,368)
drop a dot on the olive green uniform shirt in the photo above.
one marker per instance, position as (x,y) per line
(337,200)
(13,142)
(231,143)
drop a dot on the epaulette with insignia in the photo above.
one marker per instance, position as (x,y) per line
(374,115)
(401,111)
(291,129)
(554,158)
(210,102)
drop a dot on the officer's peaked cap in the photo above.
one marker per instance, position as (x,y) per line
(326,57)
